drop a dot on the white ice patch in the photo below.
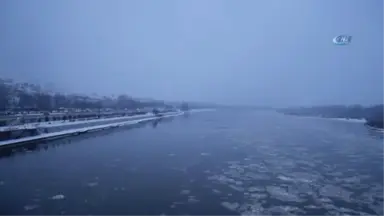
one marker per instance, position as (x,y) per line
(92,184)
(230,206)
(251,209)
(222,179)
(185,192)
(335,191)
(281,194)
(257,176)
(258,196)
(192,199)
(284,178)
(216,191)
(58,197)
(255,189)
(285,210)
(174,204)
(30,207)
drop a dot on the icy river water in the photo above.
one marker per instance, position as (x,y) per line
(217,162)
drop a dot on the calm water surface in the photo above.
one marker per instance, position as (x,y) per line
(220,162)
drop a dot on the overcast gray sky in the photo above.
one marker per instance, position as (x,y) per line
(260,52)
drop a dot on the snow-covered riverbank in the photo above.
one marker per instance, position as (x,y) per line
(76,131)
(60,123)
(348,120)
(363,121)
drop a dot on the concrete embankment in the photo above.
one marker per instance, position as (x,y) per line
(23,119)
(56,125)
(85,127)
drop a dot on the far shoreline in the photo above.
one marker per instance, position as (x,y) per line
(370,116)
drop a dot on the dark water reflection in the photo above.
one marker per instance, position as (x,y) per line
(27,148)
(205,163)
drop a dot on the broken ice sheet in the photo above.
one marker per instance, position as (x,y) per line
(285,210)
(251,209)
(335,191)
(282,194)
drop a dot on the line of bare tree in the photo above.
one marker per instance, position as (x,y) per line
(26,96)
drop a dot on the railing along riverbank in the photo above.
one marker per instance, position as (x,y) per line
(85,129)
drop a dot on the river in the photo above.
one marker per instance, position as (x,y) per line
(217,162)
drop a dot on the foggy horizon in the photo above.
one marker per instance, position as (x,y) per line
(260,53)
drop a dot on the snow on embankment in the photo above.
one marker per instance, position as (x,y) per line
(349,120)
(61,123)
(71,132)
(333,119)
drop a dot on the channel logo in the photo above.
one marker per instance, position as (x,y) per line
(342,40)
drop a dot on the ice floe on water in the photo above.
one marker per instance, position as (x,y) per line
(256,189)
(31,207)
(257,196)
(251,209)
(291,187)
(283,194)
(192,199)
(173,205)
(58,197)
(284,178)
(285,210)
(230,206)
(119,188)
(299,177)
(92,184)
(256,208)
(236,188)
(221,179)
(184,192)
(335,191)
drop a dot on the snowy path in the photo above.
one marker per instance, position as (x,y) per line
(66,123)
(76,131)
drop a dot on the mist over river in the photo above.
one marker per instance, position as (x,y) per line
(214,162)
